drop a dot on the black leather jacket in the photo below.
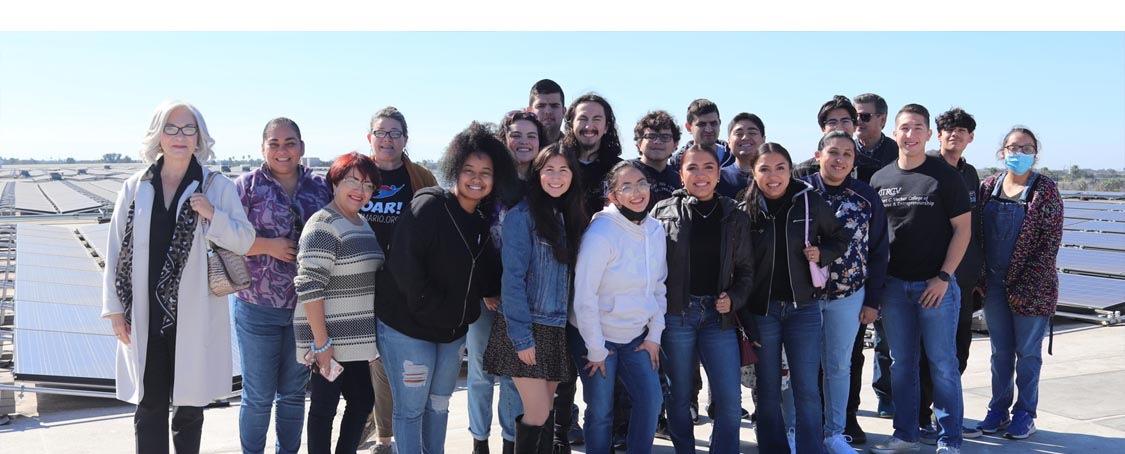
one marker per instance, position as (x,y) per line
(824,232)
(736,268)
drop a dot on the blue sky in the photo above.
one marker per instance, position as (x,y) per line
(83,95)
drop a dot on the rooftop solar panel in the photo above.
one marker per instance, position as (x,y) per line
(59,293)
(29,198)
(1088,205)
(67,199)
(50,274)
(63,318)
(1094,262)
(1094,240)
(1097,215)
(98,190)
(1098,226)
(97,235)
(1067,222)
(70,355)
(1090,292)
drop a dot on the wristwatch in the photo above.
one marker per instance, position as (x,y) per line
(943,276)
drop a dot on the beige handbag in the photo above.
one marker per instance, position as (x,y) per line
(227,272)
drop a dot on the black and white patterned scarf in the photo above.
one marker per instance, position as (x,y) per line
(168,285)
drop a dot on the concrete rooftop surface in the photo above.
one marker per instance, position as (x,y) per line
(1081,409)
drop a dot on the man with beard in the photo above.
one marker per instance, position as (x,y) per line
(656,136)
(703,123)
(546,102)
(590,132)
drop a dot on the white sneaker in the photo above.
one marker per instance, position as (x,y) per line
(895,446)
(792,436)
(947,450)
(838,444)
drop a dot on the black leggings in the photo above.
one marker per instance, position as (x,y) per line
(355,385)
(150,422)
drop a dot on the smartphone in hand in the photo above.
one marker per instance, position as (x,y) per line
(334,368)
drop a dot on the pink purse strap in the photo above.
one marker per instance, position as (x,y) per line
(807,214)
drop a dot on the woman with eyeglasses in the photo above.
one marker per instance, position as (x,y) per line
(520,131)
(156,281)
(784,305)
(617,318)
(337,259)
(1022,230)
(710,273)
(399,179)
(279,198)
(441,263)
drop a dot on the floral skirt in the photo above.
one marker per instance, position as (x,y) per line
(552,361)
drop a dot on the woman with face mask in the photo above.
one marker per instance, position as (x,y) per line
(617,318)
(1022,230)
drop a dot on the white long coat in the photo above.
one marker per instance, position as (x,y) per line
(203,345)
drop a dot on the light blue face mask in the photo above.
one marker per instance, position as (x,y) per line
(1019,163)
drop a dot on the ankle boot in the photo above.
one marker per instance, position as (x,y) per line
(509,447)
(527,437)
(480,446)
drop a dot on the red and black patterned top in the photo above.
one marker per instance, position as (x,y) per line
(1032,281)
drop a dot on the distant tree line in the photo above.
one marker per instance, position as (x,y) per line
(1078,179)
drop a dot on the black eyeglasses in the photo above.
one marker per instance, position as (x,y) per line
(843,122)
(660,137)
(298,223)
(188,130)
(392,134)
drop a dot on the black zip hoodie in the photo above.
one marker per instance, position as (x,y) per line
(441,262)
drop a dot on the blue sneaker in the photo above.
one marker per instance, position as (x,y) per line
(1022,426)
(994,422)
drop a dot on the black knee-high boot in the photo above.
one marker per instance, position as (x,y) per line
(527,437)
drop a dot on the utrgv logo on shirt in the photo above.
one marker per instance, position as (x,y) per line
(386,191)
(889,192)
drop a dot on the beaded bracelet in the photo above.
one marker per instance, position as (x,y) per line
(322,349)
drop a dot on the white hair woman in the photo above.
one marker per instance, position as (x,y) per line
(156,281)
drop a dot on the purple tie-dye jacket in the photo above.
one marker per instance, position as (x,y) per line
(271,211)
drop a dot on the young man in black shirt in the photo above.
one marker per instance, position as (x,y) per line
(837,114)
(656,136)
(955,133)
(927,210)
(548,103)
(703,123)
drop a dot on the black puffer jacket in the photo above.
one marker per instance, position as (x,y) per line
(736,268)
(824,232)
(440,264)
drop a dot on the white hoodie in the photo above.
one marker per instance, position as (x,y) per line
(619,282)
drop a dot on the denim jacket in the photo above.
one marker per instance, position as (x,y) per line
(535,287)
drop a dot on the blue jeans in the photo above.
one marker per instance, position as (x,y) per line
(697,329)
(422,376)
(641,382)
(908,325)
(481,384)
(797,329)
(841,320)
(1017,347)
(270,375)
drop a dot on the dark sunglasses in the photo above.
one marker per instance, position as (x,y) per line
(866,116)
(298,223)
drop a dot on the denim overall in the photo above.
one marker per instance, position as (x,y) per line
(1017,340)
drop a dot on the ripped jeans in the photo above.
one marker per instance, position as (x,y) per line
(422,376)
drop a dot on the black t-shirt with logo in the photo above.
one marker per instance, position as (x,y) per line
(390,198)
(920,203)
(593,178)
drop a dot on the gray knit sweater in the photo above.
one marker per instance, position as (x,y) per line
(336,262)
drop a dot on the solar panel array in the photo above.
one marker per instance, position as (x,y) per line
(1091,262)
(60,336)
